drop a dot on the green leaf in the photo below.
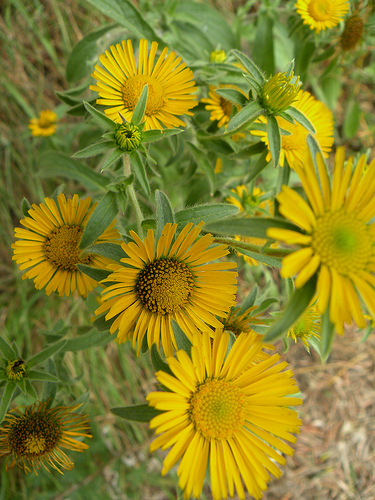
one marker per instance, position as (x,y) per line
(260,257)
(102,324)
(250,66)
(93,338)
(50,388)
(249,301)
(126,14)
(25,206)
(352,118)
(112,158)
(298,303)
(265,304)
(206,166)
(252,150)
(94,273)
(137,413)
(30,391)
(258,167)
(255,227)
(6,349)
(41,376)
(244,117)
(157,362)
(140,108)
(100,118)
(164,212)
(6,399)
(232,95)
(205,213)
(327,334)
(157,135)
(140,172)
(274,139)
(95,149)
(85,54)
(263,54)
(53,164)
(45,354)
(109,250)
(101,218)
(299,117)
(181,339)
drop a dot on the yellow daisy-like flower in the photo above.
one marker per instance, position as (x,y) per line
(50,245)
(167,280)
(45,125)
(170,85)
(322,14)
(294,146)
(307,326)
(228,411)
(38,436)
(338,239)
(220,107)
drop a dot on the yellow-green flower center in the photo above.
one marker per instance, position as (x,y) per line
(342,241)
(165,285)
(217,409)
(132,89)
(16,369)
(226,106)
(33,435)
(61,248)
(320,10)
(128,136)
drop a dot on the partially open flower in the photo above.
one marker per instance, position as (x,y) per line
(15,369)
(217,56)
(278,93)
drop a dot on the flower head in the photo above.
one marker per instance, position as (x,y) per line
(352,33)
(221,108)
(278,93)
(322,14)
(170,84)
(16,369)
(38,436)
(338,238)
(306,327)
(294,146)
(228,411)
(44,125)
(167,280)
(128,136)
(218,56)
(50,245)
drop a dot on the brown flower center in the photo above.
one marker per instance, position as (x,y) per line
(62,248)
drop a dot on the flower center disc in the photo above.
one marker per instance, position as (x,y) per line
(320,10)
(33,436)
(132,89)
(61,247)
(342,241)
(165,285)
(217,409)
(226,106)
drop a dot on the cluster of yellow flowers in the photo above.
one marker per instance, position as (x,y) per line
(228,403)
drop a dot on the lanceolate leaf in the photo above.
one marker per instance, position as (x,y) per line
(327,334)
(301,119)
(93,338)
(94,273)
(95,149)
(205,213)
(250,66)
(260,257)
(45,354)
(232,95)
(274,139)
(157,135)
(137,413)
(100,118)
(6,350)
(157,362)
(41,376)
(140,108)
(140,172)
(255,227)
(243,118)
(6,399)
(101,218)
(109,250)
(298,303)
(164,212)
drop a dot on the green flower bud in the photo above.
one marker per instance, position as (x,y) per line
(278,93)
(128,136)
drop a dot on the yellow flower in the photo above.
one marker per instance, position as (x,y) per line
(228,411)
(218,56)
(220,107)
(44,125)
(338,239)
(307,326)
(167,280)
(170,85)
(294,146)
(38,436)
(322,14)
(50,245)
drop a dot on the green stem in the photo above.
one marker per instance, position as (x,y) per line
(278,253)
(133,197)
